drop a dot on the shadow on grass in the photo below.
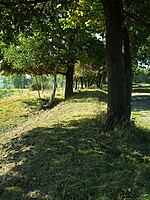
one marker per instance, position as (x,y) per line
(141,103)
(141,88)
(79,162)
(90,93)
(87,95)
(36,104)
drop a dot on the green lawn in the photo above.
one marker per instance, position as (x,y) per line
(66,153)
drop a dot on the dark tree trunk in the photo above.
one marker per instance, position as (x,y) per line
(76,83)
(88,82)
(128,71)
(114,59)
(69,81)
(71,62)
(81,79)
(99,82)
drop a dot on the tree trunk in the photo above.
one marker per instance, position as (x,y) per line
(99,82)
(116,75)
(51,100)
(128,71)
(76,83)
(42,84)
(89,82)
(38,88)
(85,83)
(69,81)
(81,79)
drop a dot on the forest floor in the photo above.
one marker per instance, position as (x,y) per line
(66,153)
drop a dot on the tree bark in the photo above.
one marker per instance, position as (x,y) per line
(81,80)
(128,71)
(76,83)
(116,111)
(38,88)
(69,81)
(51,100)
(71,62)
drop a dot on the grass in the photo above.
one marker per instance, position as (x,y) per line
(19,106)
(141,105)
(66,154)
(141,88)
(5,92)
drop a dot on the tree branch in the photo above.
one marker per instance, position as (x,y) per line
(22,2)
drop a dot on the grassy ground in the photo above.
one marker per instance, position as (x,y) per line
(66,154)
(18,106)
(5,92)
(141,105)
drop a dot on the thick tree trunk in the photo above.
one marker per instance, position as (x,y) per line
(128,71)
(114,60)
(71,62)
(69,81)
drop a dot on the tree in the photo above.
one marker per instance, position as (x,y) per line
(116,84)
(90,66)
(117,13)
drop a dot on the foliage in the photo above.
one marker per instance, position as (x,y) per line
(142,75)
(29,56)
(42,81)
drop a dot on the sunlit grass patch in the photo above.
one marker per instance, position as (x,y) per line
(19,106)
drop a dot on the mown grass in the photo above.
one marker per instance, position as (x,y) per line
(66,154)
(141,88)
(17,106)
(141,105)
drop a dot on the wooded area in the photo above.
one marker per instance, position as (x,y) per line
(38,37)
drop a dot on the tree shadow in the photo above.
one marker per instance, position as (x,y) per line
(77,162)
(141,88)
(87,95)
(90,93)
(141,103)
(36,104)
